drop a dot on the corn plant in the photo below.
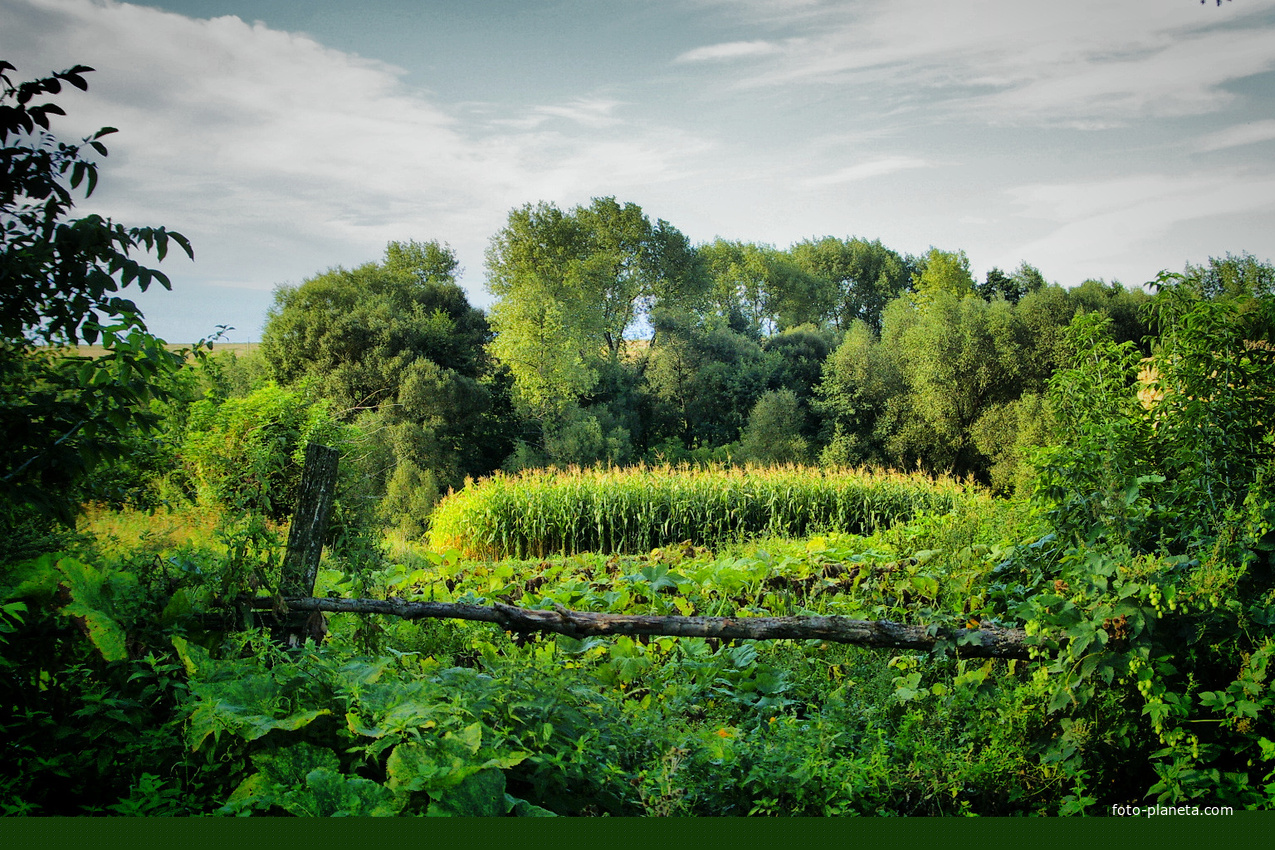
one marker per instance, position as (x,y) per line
(636,509)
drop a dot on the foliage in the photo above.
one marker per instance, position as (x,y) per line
(1012,287)
(397,347)
(862,277)
(246,454)
(1161,569)
(701,378)
(356,331)
(943,271)
(762,290)
(916,395)
(63,414)
(88,702)
(773,433)
(572,285)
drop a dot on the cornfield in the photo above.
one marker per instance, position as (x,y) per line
(536,513)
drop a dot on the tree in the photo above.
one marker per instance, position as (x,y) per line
(861,277)
(859,380)
(1011,287)
(702,378)
(764,289)
(1232,276)
(773,433)
(356,331)
(63,415)
(943,271)
(802,351)
(1124,306)
(398,348)
(944,387)
(571,286)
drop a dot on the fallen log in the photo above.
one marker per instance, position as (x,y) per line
(985,642)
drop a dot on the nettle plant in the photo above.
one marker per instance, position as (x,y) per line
(1157,583)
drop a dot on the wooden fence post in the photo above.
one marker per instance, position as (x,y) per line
(309,528)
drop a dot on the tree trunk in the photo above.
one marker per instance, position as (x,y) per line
(305,543)
(310,522)
(989,642)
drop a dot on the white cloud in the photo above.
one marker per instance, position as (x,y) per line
(279,156)
(593,113)
(1249,133)
(730,50)
(1087,63)
(1115,219)
(868,170)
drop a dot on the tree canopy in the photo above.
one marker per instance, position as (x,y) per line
(398,348)
(573,285)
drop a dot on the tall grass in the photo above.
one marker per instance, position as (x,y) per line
(535,513)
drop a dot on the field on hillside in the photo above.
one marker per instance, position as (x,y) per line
(238,348)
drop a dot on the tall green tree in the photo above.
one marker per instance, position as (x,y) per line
(1012,287)
(774,430)
(762,289)
(1235,275)
(1125,307)
(943,271)
(702,378)
(571,288)
(861,379)
(399,350)
(941,388)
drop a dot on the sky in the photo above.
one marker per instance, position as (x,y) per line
(1101,139)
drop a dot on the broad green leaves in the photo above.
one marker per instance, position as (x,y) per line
(100,600)
(422,744)
(306,781)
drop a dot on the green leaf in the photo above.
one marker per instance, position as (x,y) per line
(178,608)
(481,794)
(289,766)
(328,793)
(414,766)
(523,809)
(254,792)
(93,596)
(246,705)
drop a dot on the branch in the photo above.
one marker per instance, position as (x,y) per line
(987,642)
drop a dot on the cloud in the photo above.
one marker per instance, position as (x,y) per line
(868,170)
(1110,220)
(1249,133)
(279,156)
(1085,63)
(593,113)
(729,50)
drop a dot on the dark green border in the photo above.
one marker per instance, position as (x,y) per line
(736,833)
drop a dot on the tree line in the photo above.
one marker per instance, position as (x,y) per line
(614,340)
